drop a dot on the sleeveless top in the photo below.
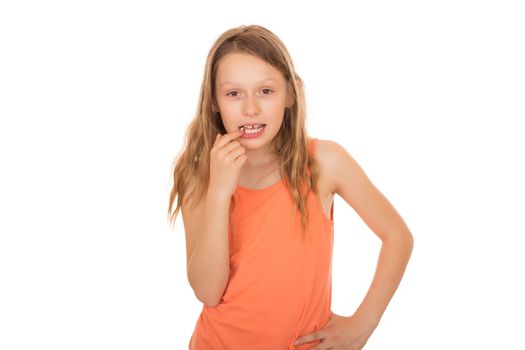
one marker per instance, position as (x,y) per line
(280,286)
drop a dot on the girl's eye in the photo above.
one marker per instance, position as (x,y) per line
(266,91)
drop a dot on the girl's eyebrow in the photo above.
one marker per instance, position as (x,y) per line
(227,82)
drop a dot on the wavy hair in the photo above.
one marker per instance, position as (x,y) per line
(298,168)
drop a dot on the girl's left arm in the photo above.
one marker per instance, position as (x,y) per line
(350,182)
(354,186)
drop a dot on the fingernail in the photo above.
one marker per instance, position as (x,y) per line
(297,342)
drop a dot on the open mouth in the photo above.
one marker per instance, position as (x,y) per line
(252,129)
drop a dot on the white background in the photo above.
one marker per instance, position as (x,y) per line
(95,98)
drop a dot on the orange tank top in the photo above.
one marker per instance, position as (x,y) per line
(280,286)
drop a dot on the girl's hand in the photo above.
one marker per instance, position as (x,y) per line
(341,333)
(226,159)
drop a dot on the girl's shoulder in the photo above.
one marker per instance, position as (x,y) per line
(327,152)
(340,171)
(329,155)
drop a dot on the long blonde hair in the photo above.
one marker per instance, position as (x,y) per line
(299,169)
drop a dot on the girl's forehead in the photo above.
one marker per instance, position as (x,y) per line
(244,68)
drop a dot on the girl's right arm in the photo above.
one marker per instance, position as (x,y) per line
(206,225)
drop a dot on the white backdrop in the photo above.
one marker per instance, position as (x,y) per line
(95,98)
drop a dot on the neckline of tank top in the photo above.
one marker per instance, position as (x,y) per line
(247,189)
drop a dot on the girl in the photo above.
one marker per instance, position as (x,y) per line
(256,195)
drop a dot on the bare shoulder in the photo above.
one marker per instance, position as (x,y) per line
(352,184)
(335,162)
(342,171)
(328,151)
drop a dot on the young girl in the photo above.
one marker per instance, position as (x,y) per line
(256,195)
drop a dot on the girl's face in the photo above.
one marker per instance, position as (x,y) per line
(250,91)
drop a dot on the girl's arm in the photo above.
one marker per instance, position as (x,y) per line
(206,228)
(353,185)
(207,249)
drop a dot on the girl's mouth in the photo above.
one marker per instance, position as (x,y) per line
(253,130)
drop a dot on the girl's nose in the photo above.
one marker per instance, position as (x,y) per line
(250,106)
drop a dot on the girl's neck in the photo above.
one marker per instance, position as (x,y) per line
(259,159)
(259,174)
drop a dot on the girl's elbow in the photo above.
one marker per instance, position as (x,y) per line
(209,301)
(207,297)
